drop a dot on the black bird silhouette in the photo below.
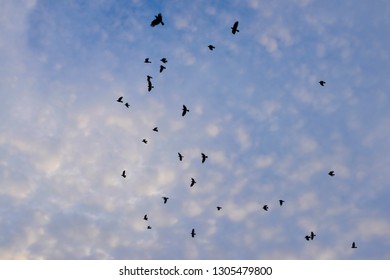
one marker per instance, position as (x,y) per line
(312,235)
(193,182)
(211,47)
(281,202)
(165,199)
(193,233)
(307,237)
(234,28)
(158,20)
(149,78)
(163,60)
(180,156)
(124,174)
(265,207)
(127,105)
(203,157)
(120,99)
(150,86)
(149,227)
(146,217)
(145,141)
(353,245)
(155,129)
(322,83)
(219,208)
(331,173)
(147,60)
(162,67)
(185,110)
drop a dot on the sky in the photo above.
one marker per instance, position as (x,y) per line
(256,109)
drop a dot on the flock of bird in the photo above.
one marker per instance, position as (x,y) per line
(234,29)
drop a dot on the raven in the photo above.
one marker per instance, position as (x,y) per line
(234,28)
(193,182)
(162,67)
(193,233)
(211,47)
(322,83)
(180,156)
(155,129)
(147,60)
(204,157)
(265,207)
(165,199)
(353,245)
(120,99)
(164,60)
(281,202)
(146,217)
(331,173)
(124,174)
(185,110)
(158,20)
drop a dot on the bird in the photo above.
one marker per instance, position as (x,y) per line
(281,202)
(204,157)
(211,47)
(307,237)
(145,141)
(180,156)
(146,217)
(331,173)
(155,129)
(185,110)
(234,28)
(147,60)
(158,20)
(120,99)
(322,83)
(193,182)
(149,78)
(150,86)
(124,174)
(162,67)
(149,227)
(193,233)
(127,105)
(219,208)
(312,235)
(165,199)
(353,245)
(163,60)
(265,207)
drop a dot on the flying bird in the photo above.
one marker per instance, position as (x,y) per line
(158,20)
(149,78)
(193,182)
(149,227)
(155,129)
(150,86)
(312,235)
(163,60)
(120,99)
(307,237)
(185,110)
(219,208)
(165,199)
(124,174)
(204,157)
(322,83)
(162,67)
(331,173)
(281,202)
(145,141)
(353,245)
(127,105)
(265,207)
(211,47)
(147,60)
(234,28)
(193,233)
(146,217)
(180,156)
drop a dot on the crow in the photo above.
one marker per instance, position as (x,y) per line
(145,141)
(211,47)
(164,60)
(265,207)
(149,227)
(150,86)
(307,237)
(219,208)
(185,110)
(234,28)
(353,245)
(127,105)
(281,202)
(155,129)
(120,99)
(322,83)
(124,174)
(165,199)
(331,173)
(180,156)
(204,157)
(193,233)
(193,182)
(149,78)
(162,67)
(312,235)
(158,20)
(146,217)
(147,60)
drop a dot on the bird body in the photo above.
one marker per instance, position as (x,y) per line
(145,141)
(155,129)
(146,217)
(353,245)
(211,47)
(281,202)
(127,105)
(150,86)
(307,237)
(162,68)
(322,83)
(234,28)
(193,233)
(158,20)
(180,156)
(331,173)
(163,60)
(219,208)
(124,174)
(185,110)
(265,207)
(149,227)
(120,99)
(312,235)
(193,182)
(203,157)
(165,199)
(147,60)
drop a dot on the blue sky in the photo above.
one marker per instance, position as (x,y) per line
(256,109)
